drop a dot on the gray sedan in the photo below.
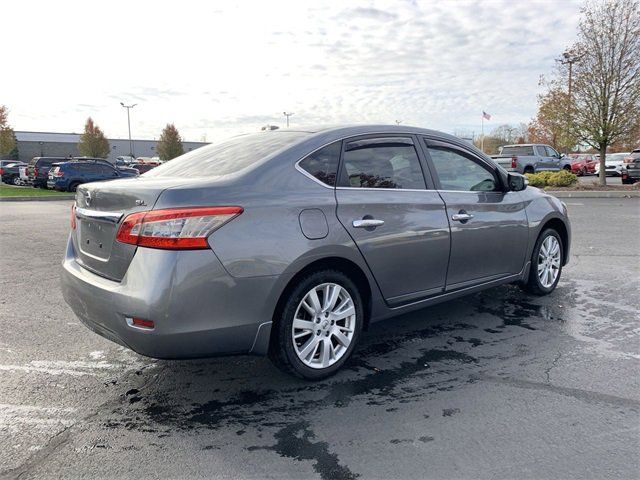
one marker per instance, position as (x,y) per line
(290,243)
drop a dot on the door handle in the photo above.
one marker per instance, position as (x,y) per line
(367,223)
(461,217)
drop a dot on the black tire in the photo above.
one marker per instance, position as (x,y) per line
(567,168)
(73,186)
(16,181)
(281,348)
(529,169)
(583,172)
(533,284)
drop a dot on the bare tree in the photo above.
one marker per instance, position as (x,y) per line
(605,103)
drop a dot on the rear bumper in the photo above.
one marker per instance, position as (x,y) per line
(199,310)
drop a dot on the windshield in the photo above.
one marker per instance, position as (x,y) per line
(615,156)
(229,156)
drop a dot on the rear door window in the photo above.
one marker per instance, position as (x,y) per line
(386,162)
(323,164)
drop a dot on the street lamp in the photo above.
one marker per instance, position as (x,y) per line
(129,107)
(570,57)
(287,114)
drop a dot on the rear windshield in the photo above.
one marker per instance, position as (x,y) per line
(226,157)
(518,150)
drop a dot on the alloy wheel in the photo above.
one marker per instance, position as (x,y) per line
(323,325)
(549,261)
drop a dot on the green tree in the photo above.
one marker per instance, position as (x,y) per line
(170,143)
(8,141)
(4,115)
(92,142)
(605,103)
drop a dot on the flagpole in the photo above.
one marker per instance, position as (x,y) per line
(482,138)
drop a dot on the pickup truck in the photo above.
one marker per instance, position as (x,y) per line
(531,158)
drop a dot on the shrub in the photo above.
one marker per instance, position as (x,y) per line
(563,178)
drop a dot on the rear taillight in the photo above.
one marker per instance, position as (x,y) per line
(176,228)
(58,174)
(1,171)
(35,172)
(73,216)
(514,162)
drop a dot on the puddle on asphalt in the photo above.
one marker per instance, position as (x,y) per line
(400,361)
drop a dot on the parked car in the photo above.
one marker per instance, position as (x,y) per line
(531,158)
(631,169)
(38,169)
(10,173)
(613,163)
(583,163)
(143,167)
(5,162)
(290,243)
(125,159)
(66,176)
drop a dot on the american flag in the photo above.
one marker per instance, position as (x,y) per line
(486,115)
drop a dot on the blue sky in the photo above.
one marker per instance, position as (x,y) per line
(220,68)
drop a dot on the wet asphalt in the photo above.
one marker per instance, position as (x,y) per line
(496,385)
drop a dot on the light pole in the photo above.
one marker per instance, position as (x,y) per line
(570,58)
(398,122)
(129,107)
(287,114)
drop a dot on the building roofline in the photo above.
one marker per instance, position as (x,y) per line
(108,138)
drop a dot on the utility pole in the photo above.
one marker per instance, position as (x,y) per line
(129,107)
(398,122)
(287,114)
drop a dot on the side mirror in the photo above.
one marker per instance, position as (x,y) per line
(517,182)
(562,155)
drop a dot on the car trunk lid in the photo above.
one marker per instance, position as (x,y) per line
(100,209)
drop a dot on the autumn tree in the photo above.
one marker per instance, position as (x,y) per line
(170,143)
(92,142)
(8,141)
(552,124)
(605,103)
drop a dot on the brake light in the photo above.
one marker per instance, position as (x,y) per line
(176,228)
(1,171)
(514,162)
(35,171)
(73,216)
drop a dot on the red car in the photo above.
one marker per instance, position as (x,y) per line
(583,163)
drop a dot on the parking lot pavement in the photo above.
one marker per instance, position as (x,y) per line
(496,385)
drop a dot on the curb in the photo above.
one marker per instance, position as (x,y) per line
(37,199)
(595,194)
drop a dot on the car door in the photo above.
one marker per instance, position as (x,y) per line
(552,159)
(399,224)
(489,228)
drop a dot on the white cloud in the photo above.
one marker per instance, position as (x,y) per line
(215,69)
